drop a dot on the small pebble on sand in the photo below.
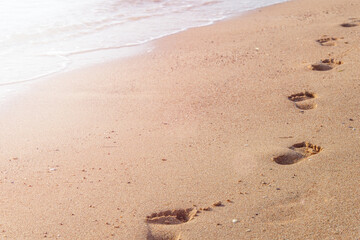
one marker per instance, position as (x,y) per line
(217,204)
(235,220)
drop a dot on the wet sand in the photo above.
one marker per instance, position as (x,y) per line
(246,129)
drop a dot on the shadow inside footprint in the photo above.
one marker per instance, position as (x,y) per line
(299,152)
(172,217)
(289,158)
(325,65)
(349,25)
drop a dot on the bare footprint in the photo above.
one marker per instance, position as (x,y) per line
(303,100)
(298,152)
(162,223)
(325,65)
(283,213)
(172,217)
(327,41)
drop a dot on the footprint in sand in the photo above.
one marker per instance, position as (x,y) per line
(286,211)
(161,222)
(352,23)
(325,65)
(327,41)
(303,100)
(298,152)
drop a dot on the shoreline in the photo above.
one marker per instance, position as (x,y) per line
(78,60)
(232,112)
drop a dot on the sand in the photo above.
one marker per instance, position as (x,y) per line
(245,129)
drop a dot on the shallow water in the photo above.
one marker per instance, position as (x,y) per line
(41,37)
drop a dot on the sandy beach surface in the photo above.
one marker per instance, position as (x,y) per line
(245,129)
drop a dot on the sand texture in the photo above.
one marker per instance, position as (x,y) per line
(245,129)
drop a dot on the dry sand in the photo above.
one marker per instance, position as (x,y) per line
(234,112)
